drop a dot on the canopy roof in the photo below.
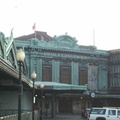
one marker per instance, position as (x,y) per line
(61,86)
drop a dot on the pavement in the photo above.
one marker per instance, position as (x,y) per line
(64,117)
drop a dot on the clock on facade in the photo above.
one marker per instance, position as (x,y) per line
(92,94)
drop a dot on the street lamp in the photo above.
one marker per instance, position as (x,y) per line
(41,116)
(20,56)
(33,76)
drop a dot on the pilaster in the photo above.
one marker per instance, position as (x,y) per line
(74,73)
(39,72)
(55,70)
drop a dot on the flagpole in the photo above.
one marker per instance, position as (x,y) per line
(93,37)
(34,28)
(35,33)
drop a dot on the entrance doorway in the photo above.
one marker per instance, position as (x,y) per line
(65,105)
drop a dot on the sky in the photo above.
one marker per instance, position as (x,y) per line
(91,22)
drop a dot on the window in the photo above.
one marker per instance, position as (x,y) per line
(47,73)
(98,111)
(118,113)
(65,75)
(83,76)
(112,112)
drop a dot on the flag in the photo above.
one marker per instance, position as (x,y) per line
(34,27)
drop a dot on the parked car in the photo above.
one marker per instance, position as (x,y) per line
(104,114)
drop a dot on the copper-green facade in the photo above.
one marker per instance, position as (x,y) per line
(89,71)
(63,51)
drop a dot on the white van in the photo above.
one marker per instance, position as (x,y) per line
(104,114)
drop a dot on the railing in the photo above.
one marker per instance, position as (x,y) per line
(25,115)
(5,112)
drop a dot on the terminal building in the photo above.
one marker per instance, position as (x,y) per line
(74,76)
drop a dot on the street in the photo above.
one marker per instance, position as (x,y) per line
(65,117)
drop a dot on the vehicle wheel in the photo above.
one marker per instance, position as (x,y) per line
(100,118)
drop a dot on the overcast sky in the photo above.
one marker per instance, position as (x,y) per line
(77,18)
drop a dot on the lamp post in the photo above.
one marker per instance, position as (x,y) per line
(33,76)
(41,116)
(20,56)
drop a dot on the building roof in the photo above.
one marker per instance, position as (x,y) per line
(38,34)
(11,74)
